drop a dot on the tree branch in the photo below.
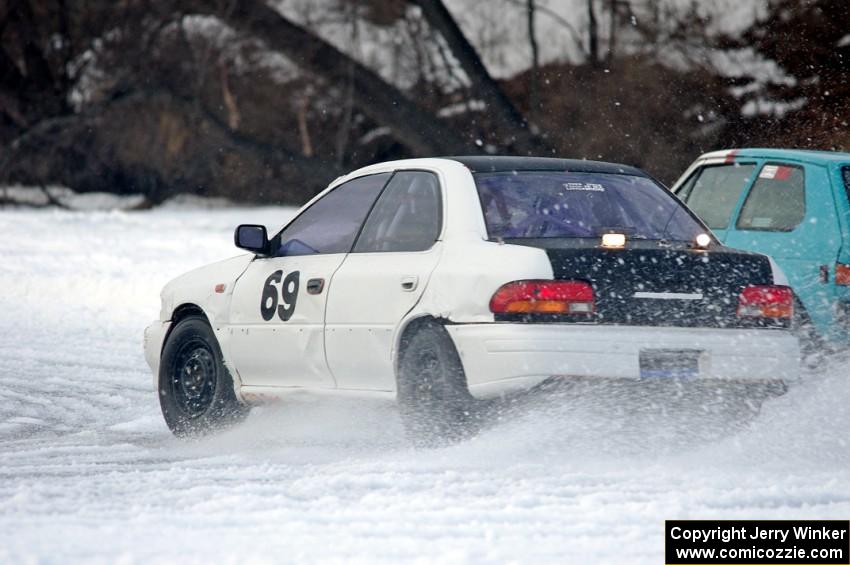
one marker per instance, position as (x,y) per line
(513,124)
(412,125)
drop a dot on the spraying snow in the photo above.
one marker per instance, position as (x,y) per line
(90,472)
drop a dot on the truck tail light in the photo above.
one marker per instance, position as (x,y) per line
(768,301)
(842,274)
(544,297)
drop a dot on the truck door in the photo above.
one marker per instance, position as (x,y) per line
(789,214)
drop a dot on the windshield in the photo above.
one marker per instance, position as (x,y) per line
(533,204)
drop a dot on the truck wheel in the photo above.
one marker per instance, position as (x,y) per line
(813,348)
(435,405)
(195,388)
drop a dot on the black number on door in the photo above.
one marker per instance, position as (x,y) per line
(288,291)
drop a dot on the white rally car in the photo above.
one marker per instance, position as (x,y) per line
(445,281)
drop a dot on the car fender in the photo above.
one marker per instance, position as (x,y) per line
(209,288)
(470,271)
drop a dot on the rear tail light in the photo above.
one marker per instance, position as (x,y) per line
(766,302)
(544,297)
(842,274)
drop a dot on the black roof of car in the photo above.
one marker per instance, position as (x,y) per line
(497,164)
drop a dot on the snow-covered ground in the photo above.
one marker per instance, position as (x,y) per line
(89,472)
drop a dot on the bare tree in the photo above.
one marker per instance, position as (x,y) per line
(514,127)
(194,132)
(592,35)
(612,29)
(534,82)
(381,101)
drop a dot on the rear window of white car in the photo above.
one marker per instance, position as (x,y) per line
(713,192)
(541,204)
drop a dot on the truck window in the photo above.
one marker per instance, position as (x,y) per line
(777,201)
(713,191)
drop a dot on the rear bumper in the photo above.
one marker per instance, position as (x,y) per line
(504,356)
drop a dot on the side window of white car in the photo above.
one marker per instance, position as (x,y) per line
(331,224)
(777,200)
(407,216)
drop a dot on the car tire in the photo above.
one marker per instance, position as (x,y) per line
(196,392)
(435,405)
(813,348)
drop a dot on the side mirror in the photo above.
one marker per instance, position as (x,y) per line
(252,238)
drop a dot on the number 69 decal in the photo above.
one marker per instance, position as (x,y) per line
(288,292)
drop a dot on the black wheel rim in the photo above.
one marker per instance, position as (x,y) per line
(193,378)
(429,367)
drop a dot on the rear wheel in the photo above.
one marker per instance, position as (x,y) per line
(434,401)
(195,388)
(812,346)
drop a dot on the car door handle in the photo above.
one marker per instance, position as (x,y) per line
(408,284)
(315,286)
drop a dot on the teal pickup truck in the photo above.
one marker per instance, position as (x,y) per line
(791,205)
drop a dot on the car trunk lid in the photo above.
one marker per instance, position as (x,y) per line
(652,283)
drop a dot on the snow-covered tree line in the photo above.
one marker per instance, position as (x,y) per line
(268,100)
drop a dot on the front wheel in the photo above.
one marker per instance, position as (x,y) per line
(434,401)
(195,388)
